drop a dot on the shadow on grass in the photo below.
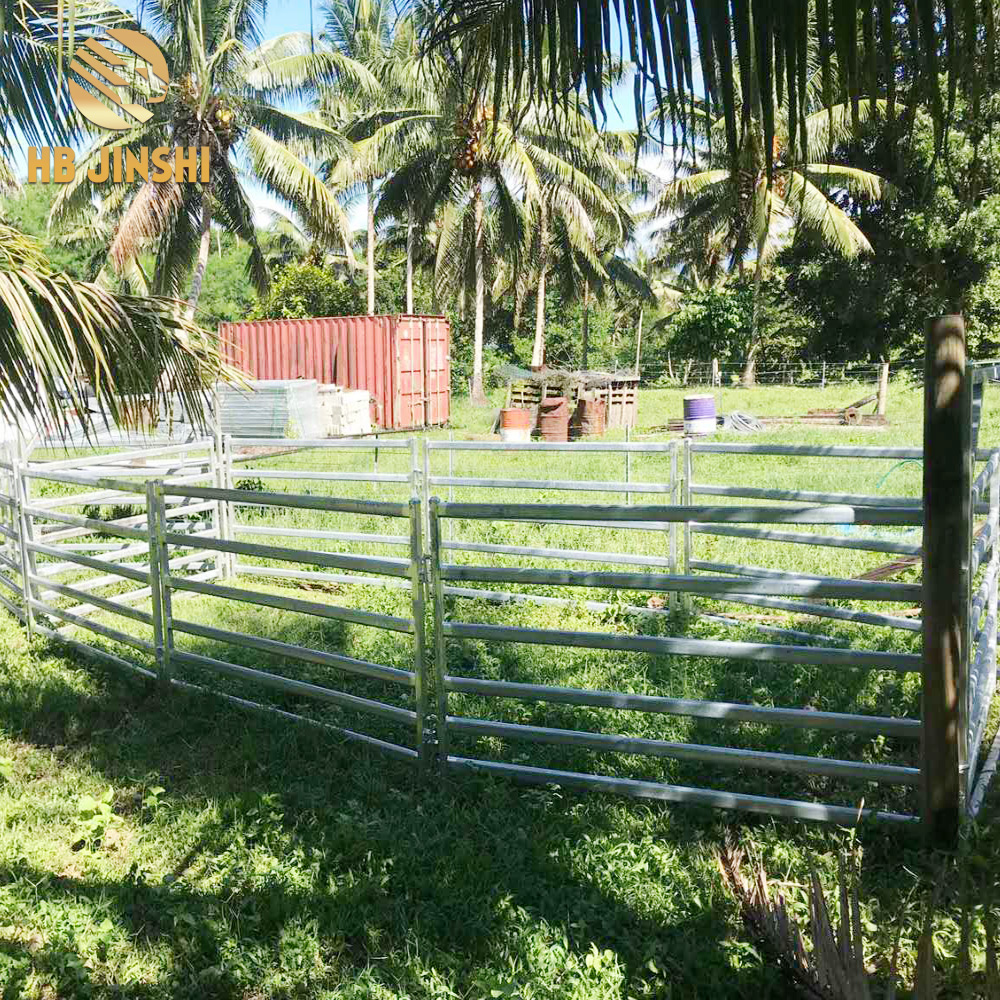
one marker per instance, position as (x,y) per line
(394,873)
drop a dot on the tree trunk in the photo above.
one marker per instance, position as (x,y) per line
(409,262)
(750,367)
(478,395)
(371,248)
(638,342)
(204,249)
(538,350)
(586,324)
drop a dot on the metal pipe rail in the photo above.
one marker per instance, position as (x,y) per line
(804,450)
(842,815)
(634,447)
(203,444)
(575,485)
(332,477)
(275,647)
(300,688)
(893,774)
(392,623)
(808,496)
(336,536)
(803,538)
(722,649)
(300,501)
(332,444)
(719,711)
(581,555)
(280,573)
(311,557)
(866,590)
(812,514)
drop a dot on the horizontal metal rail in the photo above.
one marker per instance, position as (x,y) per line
(806,496)
(582,555)
(300,688)
(373,618)
(131,596)
(720,711)
(673,645)
(334,536)
(333,477)
(835,514)
(866,590)
(333,444)
(805,450)
(9,563)
(825,611)
(11,607)
(314,557)
(91,562)
(576,485)
(94,652)
(301,501)
(105,604)
(93,523)
(73,479)
(276,572)
(842,815)
(728,756)
(110,495)
(983,543)
(804,538)
(10,584)
(276,647)
(178,512)
(105,631)
(95,582)
(393,749)
(203,444)
(646,447)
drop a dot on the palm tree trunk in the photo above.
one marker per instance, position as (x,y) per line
(538,349)
(204,249)
(638,341)
(371,248)
(478,395)
(749,376)
(586,323)
(409,263)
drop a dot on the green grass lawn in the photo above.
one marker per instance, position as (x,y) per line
(280,861)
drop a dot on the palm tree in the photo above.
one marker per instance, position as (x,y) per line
(563,43)
(226,93)
(730,207)
(54,331)
(361,30)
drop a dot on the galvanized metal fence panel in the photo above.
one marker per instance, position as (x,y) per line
(452,724)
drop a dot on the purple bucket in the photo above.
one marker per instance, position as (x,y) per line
(699,414)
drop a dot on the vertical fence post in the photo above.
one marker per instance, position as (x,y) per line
(686,501)
(217,469)
(155,579)
(946,556)
(417,607)
(159,526)
(628,468)
(672,598)
(883,389)
(25,535)
(440,650)
(227,505)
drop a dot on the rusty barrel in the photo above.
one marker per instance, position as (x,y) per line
(553,419)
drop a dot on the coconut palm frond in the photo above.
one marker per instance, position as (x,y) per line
(814,211)
(149,215)
(53,330)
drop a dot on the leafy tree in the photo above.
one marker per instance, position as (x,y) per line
(55,329)
(227,92)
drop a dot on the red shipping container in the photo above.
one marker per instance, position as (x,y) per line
(403,361)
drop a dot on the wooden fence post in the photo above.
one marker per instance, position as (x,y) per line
(946,553)
(883,389)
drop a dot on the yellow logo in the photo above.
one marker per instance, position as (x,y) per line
(103,69)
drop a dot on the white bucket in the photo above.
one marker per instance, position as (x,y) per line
(515,434)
